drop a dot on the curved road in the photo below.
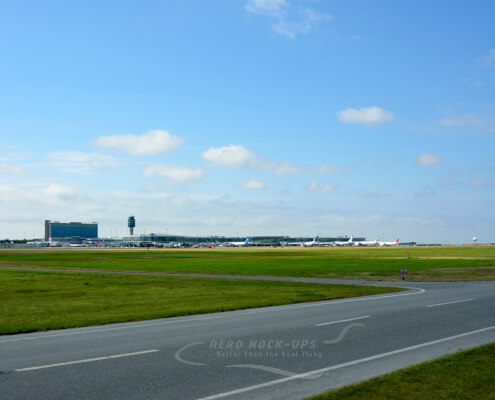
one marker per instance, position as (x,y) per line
(286,352)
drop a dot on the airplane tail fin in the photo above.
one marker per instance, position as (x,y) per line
(351,239)
(397,241)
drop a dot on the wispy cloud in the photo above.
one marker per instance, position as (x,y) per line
(11,154)
(367,193)
(266,7)
(149,144)
(488,60)
(321,188)
(482,182)
(449,182)
(236,156)
(80,162)
(469,119)
(179,174)
(40,195)
(381,160)
(252,184)
(60,193)
(307,20)
(425,193)
(328,170)
(282,168)
(428,160)
(469,123)
(367,116)
(474,83)
(288,21)
(13,170)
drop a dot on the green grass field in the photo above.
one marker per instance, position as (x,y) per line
(32,301)
(467,375)
(37,300)
(423,263)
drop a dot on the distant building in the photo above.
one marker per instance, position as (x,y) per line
(70,231)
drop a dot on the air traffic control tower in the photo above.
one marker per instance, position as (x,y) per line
(131,224)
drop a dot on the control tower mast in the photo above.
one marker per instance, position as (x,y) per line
(131,224)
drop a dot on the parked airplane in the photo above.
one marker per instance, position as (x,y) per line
(310,243)
(348,243)
(239,244)
(367,243)
(395,243)
(292,244)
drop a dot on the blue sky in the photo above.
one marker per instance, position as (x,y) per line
(250,117)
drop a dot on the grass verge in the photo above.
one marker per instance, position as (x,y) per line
(33,301)
(466,375)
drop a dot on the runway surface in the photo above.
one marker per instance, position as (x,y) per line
(286,352)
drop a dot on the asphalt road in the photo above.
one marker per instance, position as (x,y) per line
(286,352)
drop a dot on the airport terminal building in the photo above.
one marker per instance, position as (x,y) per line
(70,232)
(166,240)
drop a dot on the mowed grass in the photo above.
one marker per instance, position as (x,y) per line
(423,263)
(33,301)
(466,375)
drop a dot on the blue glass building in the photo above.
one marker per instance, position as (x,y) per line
(69,231)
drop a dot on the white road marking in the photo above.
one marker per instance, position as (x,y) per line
(88,330)
(343,320)
(342,334)
(330,302)
(450,302)
(137,353)
(347,364)
(145,324)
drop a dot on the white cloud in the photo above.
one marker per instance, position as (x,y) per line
(289,21)
(149,144)
(177,174)
(13,170)
(488,60)
(316,187)
(428,160)
(252,184)
(234,156)
(368,116)
(79,162)
(230,156)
